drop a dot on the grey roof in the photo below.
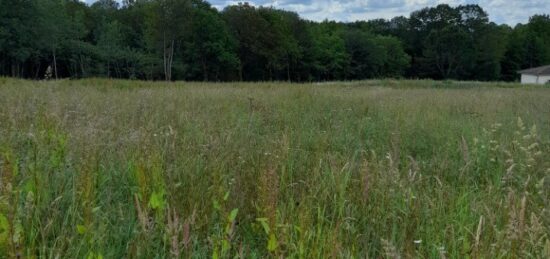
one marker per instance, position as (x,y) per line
(537,71)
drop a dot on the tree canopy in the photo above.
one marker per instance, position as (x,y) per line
(191,40)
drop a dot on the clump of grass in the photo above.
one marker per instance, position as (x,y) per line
(396,169)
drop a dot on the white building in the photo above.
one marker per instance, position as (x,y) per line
(537,75)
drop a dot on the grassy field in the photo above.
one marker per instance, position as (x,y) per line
(377,169)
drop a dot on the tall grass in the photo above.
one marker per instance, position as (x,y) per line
(394,169)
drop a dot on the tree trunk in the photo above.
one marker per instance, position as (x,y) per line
(171,59)
(204,70)
(168,56)
(81,66)
(151,72)
(55,64)
(241,71)
(15,69)
(36,74)
(117,70)
(164,57)
(288,72)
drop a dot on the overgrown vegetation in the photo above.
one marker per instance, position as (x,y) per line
(191,40)
(395,169)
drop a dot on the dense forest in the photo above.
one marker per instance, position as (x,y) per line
(191,40)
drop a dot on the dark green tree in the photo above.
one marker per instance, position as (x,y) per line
(18,35)
(190,40)
(210,50)
(169,22)
(329,51)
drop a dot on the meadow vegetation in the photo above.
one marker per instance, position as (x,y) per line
(370,169)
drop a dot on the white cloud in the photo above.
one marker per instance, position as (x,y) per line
(500,11)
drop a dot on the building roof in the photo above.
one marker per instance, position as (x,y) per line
(537,71)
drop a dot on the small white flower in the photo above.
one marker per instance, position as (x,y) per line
(418,241)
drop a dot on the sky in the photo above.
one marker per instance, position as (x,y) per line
(500,11)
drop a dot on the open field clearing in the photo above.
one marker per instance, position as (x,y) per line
(375,169)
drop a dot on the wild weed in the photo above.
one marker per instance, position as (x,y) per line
(98,169)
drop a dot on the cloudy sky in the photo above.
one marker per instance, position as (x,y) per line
(500,11)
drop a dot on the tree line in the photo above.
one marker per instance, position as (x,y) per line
(191,40)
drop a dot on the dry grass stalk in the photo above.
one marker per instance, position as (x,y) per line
(187,230)
(508,176)
(413,170)
(186,234)
(536,232)
(396,148)
(179,233)
(389,250)
(269,194)
(142,216)
(522,217)
(442,254)
(393,167)
(478,235)
(513,218)
(465,151)
(366,182)
(173,228)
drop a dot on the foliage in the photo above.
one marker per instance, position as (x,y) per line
(191,40)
